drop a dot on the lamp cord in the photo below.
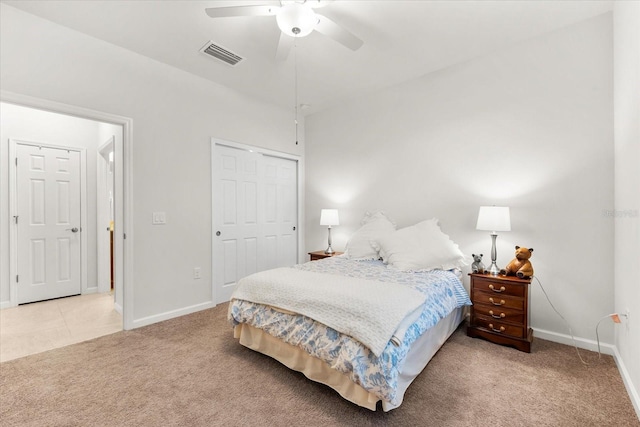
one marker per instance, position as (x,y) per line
(567,323)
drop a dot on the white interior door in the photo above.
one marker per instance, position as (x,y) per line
(279,212)
(254,215)
(235,249)
(105,213)
(48,223)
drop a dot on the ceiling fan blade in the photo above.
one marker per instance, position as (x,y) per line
(257,10)
(284,46)
(330,29)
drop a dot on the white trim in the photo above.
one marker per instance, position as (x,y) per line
(300,194)
(628,383)
(583,343)
(5,304)
(13,230)
(117,307)
(13,191)
(127,179)
(91,290)
(137,323)
(84,255)
(252,148)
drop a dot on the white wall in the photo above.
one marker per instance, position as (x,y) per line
(27,124)
(174,116)
(529,127)
(626,18)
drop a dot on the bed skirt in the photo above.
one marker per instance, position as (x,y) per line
(317,370)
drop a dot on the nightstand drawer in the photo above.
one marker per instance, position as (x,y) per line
(494,300)
(503,288)
(500,327)
(500,313)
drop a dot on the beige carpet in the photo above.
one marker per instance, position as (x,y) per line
(191,372)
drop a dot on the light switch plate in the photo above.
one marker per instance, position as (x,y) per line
(159,218)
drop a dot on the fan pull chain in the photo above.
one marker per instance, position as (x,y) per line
(295,79)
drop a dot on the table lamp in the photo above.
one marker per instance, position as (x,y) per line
(493,218)
(329,217)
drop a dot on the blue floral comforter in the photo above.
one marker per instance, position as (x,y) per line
(378,375)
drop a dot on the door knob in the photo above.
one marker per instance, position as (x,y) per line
(73,230)
(218,233)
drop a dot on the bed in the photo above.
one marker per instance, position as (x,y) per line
(283,313)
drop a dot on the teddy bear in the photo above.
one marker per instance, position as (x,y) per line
(520,266)
(477,266)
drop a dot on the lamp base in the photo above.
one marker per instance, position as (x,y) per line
(329,250)
(493,269)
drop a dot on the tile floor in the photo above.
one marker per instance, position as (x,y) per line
(34,328)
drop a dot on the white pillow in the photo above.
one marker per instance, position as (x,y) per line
(374,226)
(420,247)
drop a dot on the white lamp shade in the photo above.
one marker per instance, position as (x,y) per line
(296,20)
(329,217)
(494,218)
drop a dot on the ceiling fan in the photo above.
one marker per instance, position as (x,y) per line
(295,19)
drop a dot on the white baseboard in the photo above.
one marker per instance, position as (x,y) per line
(118,308)
(633,393)
(591,345)
(91,290)
(137,323)
(584,343)
(5,304)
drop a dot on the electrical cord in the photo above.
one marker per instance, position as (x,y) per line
(569,326)
(565,321)
(616,317)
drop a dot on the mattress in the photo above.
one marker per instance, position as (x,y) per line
(343,363)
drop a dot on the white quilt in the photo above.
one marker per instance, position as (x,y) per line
(367,310)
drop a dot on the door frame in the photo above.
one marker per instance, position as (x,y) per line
(124,234)
(13,206)
(300,195)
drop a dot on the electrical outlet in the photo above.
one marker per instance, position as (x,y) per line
(159,218)
(197,273)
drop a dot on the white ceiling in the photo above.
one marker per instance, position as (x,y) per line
(402,39)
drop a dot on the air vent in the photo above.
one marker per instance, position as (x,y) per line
(221,53)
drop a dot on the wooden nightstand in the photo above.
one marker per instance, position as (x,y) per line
(500,311)
(320,255)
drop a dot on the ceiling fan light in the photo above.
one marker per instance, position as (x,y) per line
(296,20)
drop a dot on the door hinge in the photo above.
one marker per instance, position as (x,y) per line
(17,278)
(16,161)
(124,235)
(15,217)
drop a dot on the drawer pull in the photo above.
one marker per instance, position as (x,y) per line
(502,289)
(502,302)
(496,317)
(496,330)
